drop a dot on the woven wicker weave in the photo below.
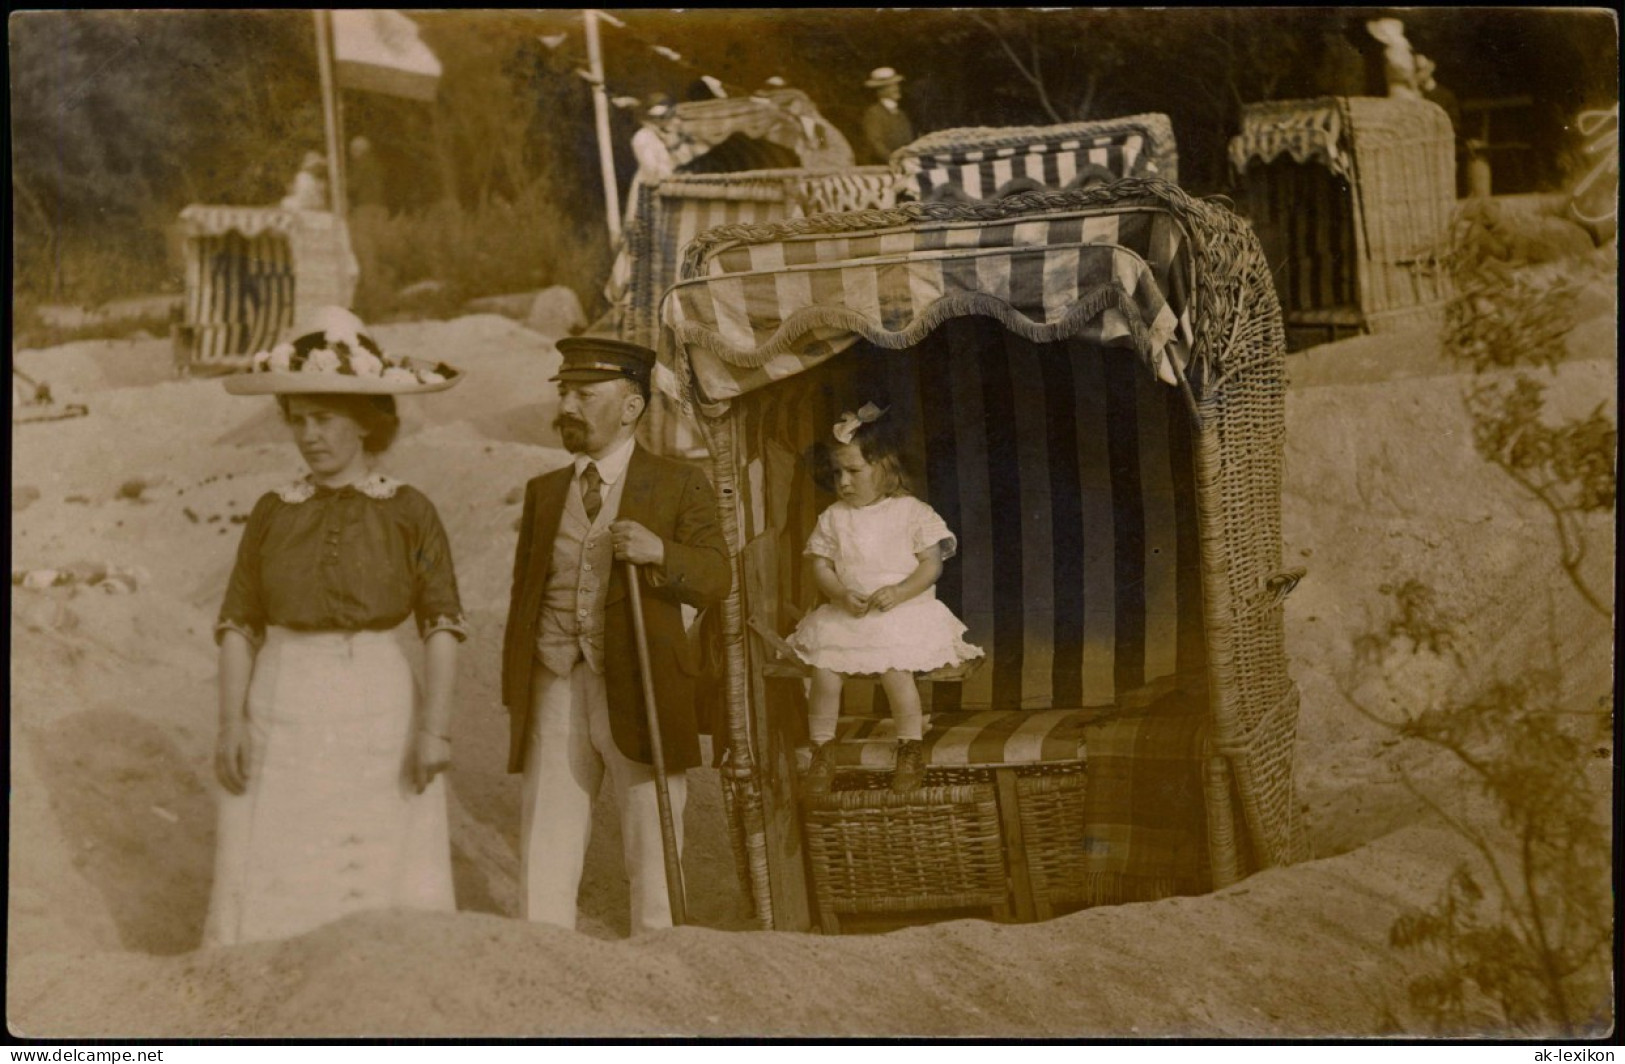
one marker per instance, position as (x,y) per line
(1053,831)
(1235,385)
(938,848)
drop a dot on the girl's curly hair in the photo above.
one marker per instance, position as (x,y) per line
(881,444)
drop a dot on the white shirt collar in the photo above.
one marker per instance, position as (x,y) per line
(613,464)
(889,104)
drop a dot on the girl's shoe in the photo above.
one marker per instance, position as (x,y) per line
(821,773)
(910,767)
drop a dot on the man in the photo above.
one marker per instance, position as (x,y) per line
(885,127)
(570,675)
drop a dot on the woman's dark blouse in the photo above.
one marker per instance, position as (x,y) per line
(346,559)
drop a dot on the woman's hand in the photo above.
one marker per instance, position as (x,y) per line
(431,755)
(852,602)
(232,752)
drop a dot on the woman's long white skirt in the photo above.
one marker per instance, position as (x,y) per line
(329,823)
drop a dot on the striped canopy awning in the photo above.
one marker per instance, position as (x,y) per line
(786,117)
(209,220)
(760,311)
(980,162)
(1305,130)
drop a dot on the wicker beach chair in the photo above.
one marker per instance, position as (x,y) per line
(1094,382)
(1351,198)
(250,272)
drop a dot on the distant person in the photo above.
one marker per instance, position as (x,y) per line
(309,189)
(1399,59)
(333,734)
(368,217)
(659,146)
(570,675)
(885,125)
(364,178)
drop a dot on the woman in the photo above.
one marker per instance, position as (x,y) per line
(331,745)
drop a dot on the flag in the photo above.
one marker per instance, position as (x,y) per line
(379,51)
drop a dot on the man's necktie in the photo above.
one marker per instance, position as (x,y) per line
(590,497)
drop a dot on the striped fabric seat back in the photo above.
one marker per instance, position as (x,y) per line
(239,293)
(677,212)
(859,189)
(1066,473)
(981,162)
(1303,214)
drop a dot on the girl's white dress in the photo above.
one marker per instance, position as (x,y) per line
(871,547)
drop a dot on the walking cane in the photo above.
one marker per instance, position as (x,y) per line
(668,830)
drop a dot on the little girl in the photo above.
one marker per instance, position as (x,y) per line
(877,555)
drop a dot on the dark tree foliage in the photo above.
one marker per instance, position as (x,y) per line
(119,119)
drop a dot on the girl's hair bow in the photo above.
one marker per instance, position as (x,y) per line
(848,426)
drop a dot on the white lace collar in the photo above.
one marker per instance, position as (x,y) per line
(377,486)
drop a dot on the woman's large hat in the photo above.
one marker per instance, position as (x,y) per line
(880,77)
(337,357)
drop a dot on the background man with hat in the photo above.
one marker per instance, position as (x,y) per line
(885,125)
(570,674)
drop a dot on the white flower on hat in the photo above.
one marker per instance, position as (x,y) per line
(398,373)
(261,361)
(365,363)
(322,361)
(345,334)
(281,358)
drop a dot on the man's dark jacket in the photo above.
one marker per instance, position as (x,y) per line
(676,503)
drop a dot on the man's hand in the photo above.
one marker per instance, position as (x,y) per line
(636,544)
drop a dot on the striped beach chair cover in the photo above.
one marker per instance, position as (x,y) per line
(979,163)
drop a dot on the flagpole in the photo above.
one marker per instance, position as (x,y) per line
(330,113)
(600,106)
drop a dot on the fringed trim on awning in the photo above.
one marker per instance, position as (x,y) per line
(207,220)
(826,320)
(1304,130)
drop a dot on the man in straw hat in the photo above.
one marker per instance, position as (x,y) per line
(570,675)
(885,125)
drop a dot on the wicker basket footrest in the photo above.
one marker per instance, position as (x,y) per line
(1055,833)
(937,848)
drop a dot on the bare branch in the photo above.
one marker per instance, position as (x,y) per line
(1031,78)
